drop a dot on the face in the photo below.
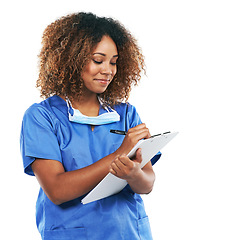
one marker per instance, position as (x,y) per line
(100,71)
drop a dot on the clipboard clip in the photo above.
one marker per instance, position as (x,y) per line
(160,134)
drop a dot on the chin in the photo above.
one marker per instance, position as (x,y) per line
(100,90)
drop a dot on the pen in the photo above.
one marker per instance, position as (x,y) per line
(118,132)
(124,133)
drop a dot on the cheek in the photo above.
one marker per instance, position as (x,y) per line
(91,69)
(114,72)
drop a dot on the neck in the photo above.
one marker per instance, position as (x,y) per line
(87,104)
(86,101)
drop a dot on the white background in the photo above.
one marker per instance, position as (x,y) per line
(192,51)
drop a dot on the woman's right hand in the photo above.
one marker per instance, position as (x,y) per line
(132,137)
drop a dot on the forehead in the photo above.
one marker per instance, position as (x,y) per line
(106,46)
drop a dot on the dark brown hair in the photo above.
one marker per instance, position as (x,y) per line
(67,46)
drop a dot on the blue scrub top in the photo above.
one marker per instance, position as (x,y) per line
(47,133)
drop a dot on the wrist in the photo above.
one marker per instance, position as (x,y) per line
(135,175)
(120,151)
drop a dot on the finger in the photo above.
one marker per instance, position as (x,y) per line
(136,131)
(115,166)
(139,126)
(119,164)
(114,169)
(123,163)
(138,155)
(126,162)
(141,134)
(149,135)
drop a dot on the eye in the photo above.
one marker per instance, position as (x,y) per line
(114,62)
(97,62)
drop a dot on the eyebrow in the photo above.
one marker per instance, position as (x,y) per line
(102,54)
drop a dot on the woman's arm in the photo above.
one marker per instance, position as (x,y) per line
(61,186)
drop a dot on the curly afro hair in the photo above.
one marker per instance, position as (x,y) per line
(67,46)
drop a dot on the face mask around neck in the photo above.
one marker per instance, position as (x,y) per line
(76,116)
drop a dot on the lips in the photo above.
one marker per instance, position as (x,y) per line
(103,81)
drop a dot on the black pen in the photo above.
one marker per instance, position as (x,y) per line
(118,132)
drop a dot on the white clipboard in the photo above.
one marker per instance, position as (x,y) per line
(111,184)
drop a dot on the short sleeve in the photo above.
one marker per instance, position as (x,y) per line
(133,119)
(38,137)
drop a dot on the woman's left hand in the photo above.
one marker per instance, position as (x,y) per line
(141,180)
(125,168)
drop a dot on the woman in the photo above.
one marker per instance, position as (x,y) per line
(88,65)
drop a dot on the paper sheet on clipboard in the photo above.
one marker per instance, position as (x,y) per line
(111,184)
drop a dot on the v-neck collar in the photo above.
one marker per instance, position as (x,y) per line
(61,104)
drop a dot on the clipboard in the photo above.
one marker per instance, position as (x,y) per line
(111,184)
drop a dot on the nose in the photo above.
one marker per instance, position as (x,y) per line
(107,69)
